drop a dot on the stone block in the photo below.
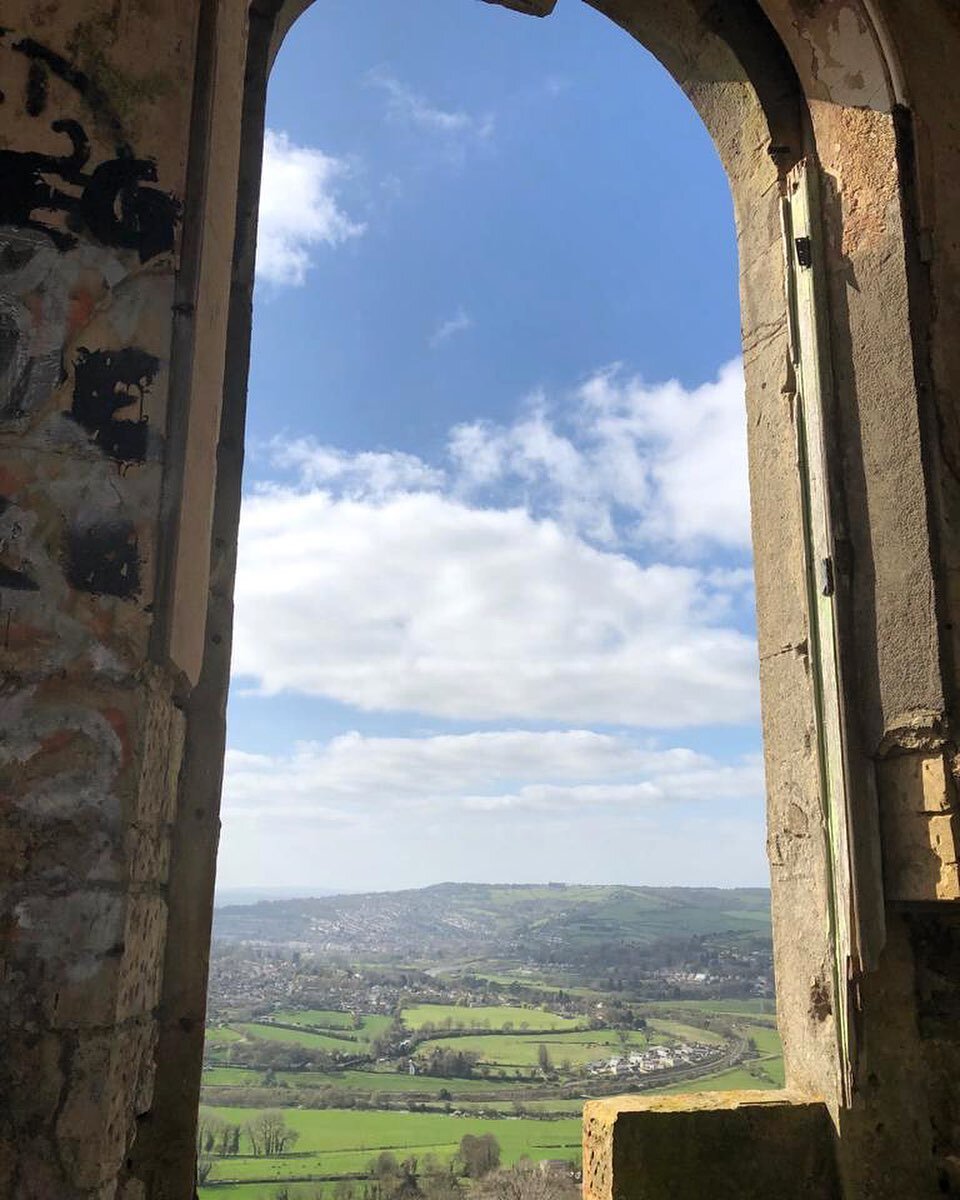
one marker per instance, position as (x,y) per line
(140,975)
(110,1081)
(70,946)
(721,1145)
(921,827)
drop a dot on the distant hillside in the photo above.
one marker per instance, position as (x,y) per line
(550,923)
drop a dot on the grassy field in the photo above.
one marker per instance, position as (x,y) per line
(390,1082)
(335,1142)
(685,1033)
(753,1007)
(774,1068)
(294,1037)
(736,1079)
(767,1040)
(494,1017)
(322,1018)
(522,1051)
(342,1142)
(220,1035)
(262,1191)
(370,1027)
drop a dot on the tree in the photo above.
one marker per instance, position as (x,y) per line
(543,1058)
(269,1134)
(208,1131)
(437,1180)
(479,1155)
(527,1182)
(384,1166)
(228,1140)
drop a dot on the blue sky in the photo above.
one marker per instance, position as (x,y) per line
(494,602)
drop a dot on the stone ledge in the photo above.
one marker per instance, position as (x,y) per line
(774,1145)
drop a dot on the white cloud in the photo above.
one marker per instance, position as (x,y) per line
(458,323)
(624,462)
(572,772)
(407,106)
(419,602)
(368,475)
(299,209)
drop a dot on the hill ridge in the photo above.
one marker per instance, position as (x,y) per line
(552,922)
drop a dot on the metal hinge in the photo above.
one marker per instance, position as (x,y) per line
(804,251)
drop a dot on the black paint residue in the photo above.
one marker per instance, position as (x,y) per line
(95,96)
(119,212)
(106,382)
(17,581)
(104,559)
(113,205)
(26,190)
(36,89)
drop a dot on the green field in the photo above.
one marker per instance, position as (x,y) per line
(753,1007)
(231,1077)
(493,1017)
(260,1191)
(736,1079)
(294,1037)
(391,1082)
(767,1040)
(523,1050)
(335,1142)
(774,1068)
(370,1027)
(685,1033)
(216,1035)
(322,1018)
(341,1142)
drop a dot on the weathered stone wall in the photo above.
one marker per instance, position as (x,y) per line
(930,153)
(130,134)
(94,137)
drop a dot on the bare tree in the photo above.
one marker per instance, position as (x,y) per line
(479,1154)
(269,1134)
(527,1182)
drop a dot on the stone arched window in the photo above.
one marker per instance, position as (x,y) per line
(131,160)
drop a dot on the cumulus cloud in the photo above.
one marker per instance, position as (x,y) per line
(368,475)
(299,209)
(420,602)
(623,462)
(572,772)
(408,107)
(519,579)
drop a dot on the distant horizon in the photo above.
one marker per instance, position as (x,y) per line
(285,892)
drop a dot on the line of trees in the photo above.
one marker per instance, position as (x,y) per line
(270,1134)
(264,1054)
(216,1137)
(390,1179)
(448,1064)
(267,1132)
